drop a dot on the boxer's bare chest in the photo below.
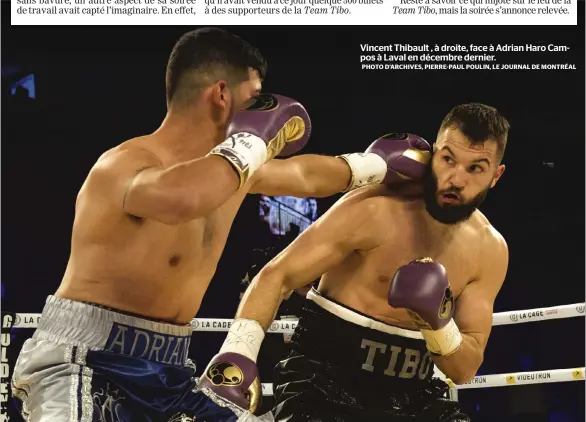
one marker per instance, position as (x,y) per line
(190,252)
(363,281)
(135,265)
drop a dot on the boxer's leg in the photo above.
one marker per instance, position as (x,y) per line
(304,392)
(50,384)
(431,403)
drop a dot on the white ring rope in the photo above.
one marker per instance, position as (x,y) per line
(288,326)
(503,380)
(24,320)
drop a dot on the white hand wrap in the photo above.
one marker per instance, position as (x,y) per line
(244,337)
(245,152)
(367,169)
(444,341)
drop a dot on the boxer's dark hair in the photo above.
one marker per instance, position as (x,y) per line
(479,122)
(203,56)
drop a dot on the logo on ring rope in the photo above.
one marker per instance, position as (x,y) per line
(274,326)
(514,317)
(194,324)
(580,308)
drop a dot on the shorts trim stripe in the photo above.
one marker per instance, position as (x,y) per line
(354,317)
(79,398)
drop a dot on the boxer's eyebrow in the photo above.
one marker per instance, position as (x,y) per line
(480,160)
(446,148)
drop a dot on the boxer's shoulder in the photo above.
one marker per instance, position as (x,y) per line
(492,242)
(115,167)
(126,159)
(481,224)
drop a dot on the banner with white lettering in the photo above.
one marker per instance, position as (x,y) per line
(8,320)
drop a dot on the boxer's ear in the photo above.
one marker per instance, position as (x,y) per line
(497,175)
(219,94)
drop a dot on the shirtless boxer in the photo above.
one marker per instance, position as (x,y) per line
(151,222)
(408,281)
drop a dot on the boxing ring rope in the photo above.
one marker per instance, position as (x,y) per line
(503,380)
(287,326)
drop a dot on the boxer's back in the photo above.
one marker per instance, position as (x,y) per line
(140,265)
(362,281)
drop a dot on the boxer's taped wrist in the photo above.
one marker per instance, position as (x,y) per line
(244,337)
(366,168)
(245,152)
(445,341)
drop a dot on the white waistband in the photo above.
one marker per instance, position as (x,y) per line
(84,325)
(361,320)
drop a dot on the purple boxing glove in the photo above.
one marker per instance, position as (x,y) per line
(271,125)
(391,159)
(422,287)
(234,377)
(232,374)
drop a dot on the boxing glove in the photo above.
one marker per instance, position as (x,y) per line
(422,287)
(234,377)
(391,159)
(233,374)
(272,125)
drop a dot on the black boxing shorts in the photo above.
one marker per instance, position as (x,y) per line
(348,367)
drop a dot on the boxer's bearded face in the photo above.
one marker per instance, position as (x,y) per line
(448,213)
(459,176)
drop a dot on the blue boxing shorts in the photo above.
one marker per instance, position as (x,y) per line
(88,363)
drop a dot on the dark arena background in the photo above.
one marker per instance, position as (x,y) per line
(70,93)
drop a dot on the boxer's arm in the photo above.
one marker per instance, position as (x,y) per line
(135,181)
(303,176)
(473,316)
(345,229)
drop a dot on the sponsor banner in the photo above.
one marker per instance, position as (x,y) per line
(8,320)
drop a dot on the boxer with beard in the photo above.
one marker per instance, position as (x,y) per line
(408,281)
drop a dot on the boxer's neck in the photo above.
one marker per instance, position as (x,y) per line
(189,134)
(437,228)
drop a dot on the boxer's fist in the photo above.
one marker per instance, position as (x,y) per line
(391,159)
(271,125)
(405,154)
(422,287)
(281,122)
(234,377)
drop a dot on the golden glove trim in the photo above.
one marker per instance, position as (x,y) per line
(292,130)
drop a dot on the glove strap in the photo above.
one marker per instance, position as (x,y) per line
(246,153)
(445,341)
(244,337)
(367,169)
